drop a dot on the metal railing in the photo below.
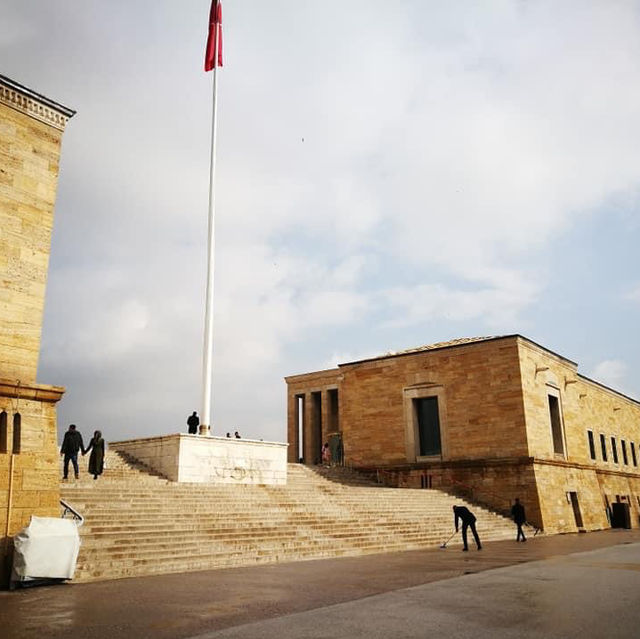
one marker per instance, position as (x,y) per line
(75,515)
(391,478)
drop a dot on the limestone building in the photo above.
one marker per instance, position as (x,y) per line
(491,418)
(31,128)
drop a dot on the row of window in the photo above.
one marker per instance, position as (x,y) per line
(614,449)
(4,432)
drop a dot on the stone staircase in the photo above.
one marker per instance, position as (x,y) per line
(138,523)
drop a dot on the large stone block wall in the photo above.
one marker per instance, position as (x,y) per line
(29,158)
(478,387)
(217,460)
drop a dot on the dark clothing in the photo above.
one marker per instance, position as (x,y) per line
(74,460)
(72,443)
(96,459)
(468,520)
(464,514)
(193,422)
(517,512)
(71,446)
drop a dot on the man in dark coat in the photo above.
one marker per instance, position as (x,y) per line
(71,446)
(193,422)
(517,512)
(468,520)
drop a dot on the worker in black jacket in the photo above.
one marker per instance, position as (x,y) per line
(71,446)
(517,512)
(468,520)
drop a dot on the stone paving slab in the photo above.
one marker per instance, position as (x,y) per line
(590,595)
(185,605)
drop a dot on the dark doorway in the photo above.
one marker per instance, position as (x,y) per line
(576,509)
(428,419)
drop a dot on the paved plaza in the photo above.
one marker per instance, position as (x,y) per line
(584,586)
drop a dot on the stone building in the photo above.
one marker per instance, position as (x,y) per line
(31,128)
(492,418)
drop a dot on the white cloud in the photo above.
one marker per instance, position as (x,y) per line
(611,372)
(446,147)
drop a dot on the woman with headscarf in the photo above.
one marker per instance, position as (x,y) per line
(96,459)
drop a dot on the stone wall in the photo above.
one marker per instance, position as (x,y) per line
(479,395)
(496,428)
(31,128)
(218,460)
(29,157)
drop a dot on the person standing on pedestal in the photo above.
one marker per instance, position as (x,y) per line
(193,422)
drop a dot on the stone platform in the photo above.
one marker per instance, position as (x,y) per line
(209,460)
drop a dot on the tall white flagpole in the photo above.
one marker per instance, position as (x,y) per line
(207,366)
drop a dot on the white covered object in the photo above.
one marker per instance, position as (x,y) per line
(46,549)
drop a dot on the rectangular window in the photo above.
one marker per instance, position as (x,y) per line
(603,446)
(556,425)
(428,425)
(634,459)
(625,459)
(614,450)
(592,445)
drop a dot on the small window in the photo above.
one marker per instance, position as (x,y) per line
(625,459)
(3,432)
(603,446)
(556,425)
(614,451)
(634,459)
(17,433)
(592,445)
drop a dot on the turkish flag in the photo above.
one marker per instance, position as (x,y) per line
(214,41)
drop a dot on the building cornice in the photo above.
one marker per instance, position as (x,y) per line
(22,390)
(33,104)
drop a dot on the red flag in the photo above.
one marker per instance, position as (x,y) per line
(215,36)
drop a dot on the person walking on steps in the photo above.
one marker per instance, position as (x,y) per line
(96,459)
(193,422)
(71,446)
(468,520)
(517,512)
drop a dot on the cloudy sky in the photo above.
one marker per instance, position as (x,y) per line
(390,175)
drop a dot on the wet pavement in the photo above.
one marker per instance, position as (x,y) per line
(387,594)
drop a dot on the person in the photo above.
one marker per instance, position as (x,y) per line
(517,512)
(71,445)
(326,454)
(193,422)
(468,520)
(237,435)
(96,459)
(229,435)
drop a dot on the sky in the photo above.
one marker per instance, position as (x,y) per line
(389,175)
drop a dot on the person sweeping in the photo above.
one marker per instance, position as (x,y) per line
(468,520)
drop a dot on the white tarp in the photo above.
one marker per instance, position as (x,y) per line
(46,549)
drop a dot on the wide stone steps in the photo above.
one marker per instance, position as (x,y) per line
(139,524)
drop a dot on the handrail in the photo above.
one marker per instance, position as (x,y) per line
(382,474)
(506,512)
(70,509)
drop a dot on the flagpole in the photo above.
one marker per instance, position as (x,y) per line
(207,366)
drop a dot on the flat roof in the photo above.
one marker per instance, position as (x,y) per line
(454,343)
(30,93)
